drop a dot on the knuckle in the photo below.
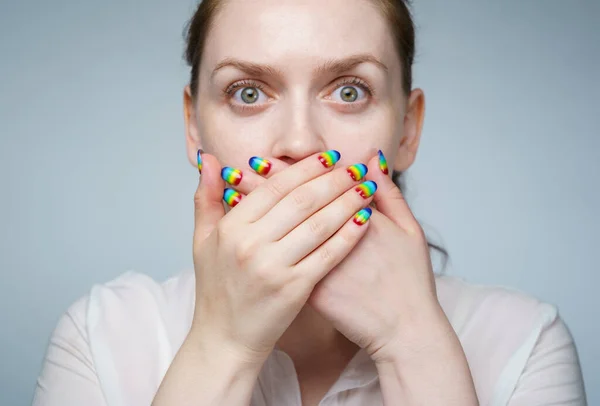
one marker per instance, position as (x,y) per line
(302,199)
(266,278)
(327,256)
(275,187)
(197,199)
(346,238)
(317,228)
(222,229)
(262,275)
(340,181)
(414,229)
(394,193)
(245,250)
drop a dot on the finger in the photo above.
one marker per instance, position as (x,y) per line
(319,227)
(232,197)
(322,260)
(208,207)
(242,181)
(310,197)
(266,167)
(389,200)
(270,192)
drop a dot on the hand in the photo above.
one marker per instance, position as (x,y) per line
(384,289)
(382,297)
(256,266)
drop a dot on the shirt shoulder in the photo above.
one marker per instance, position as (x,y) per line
(502,331)
(134,326)
(475,309)
(135,299)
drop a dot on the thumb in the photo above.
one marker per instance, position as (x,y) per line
(208,204)
(389,199)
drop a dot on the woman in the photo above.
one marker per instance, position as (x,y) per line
(314,285)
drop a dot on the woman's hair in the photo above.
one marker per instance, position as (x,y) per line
(400,20)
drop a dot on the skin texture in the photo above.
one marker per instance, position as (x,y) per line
(381,294)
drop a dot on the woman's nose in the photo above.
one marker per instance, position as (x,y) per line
(299,137)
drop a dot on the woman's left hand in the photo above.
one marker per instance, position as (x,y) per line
(382,296)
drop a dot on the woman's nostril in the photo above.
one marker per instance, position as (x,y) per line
(288,160)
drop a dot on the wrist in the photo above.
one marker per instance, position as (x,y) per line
(428,335)
(208,373)
(224,354)
(426,365)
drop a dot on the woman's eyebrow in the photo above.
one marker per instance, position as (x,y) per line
(335,66)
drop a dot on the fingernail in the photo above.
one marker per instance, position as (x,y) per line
(200,161)
(231,175)
(366,189)
(357,171)
(363,216)
(329,158)
(383,163)
(260,165)
(232,197)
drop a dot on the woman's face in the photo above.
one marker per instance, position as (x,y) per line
(283,79)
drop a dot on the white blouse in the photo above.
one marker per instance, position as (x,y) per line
(113,347)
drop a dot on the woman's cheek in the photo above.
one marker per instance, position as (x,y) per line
(367,131)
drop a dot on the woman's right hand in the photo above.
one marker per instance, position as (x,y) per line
(256,266)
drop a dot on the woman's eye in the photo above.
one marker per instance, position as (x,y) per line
(349,93)
(249,95)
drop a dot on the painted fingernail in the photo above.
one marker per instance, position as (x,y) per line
(232,197)
(260,165)
(363,216)
(231,175)
(200,161)
(383,163)
(329,158)
(366,189)
(357,171)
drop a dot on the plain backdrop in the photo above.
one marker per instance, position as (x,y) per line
(95,180)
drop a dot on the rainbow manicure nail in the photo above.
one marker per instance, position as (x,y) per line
(199,161)
(329,158)
(231,197)
(231,175)
(366,189)
(383,163)
(358,171)
(260,165)
(363,216)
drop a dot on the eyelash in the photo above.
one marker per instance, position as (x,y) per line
(251,83)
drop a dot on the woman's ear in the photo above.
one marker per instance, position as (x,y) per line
(192,138)
(411,137)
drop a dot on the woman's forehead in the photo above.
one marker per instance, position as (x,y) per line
(266,31)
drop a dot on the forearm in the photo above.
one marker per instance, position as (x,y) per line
(428,369)
(205,374)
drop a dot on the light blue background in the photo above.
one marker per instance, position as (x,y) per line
(95,180)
